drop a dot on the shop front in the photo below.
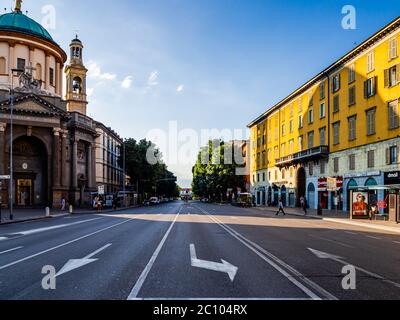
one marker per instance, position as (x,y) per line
(331,199)
(392,195)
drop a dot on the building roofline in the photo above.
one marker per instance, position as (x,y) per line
(348,56)
(109,130)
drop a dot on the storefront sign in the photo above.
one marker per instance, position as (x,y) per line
(323,184)
(392,177)
(362,174)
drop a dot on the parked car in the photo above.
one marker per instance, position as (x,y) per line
(154,201)
(244,200)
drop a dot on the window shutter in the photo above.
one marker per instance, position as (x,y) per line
(398,73)
(339,76)
(387,156)
(386,78)
(374,85)
(366,89)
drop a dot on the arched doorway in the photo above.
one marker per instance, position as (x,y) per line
(351,185)
(30,172)
(301,184)
(269,196)
(372,194)
(311,196)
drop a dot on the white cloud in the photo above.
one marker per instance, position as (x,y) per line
(153,79)
(180,88)
(94,71)
(89,91)
(127,82)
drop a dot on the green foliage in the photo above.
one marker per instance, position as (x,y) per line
(151,179)
(212,177)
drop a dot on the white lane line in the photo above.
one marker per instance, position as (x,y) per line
(333,241)
(223,299)
(139,284)
(3,238)
(11,250)
(396,242)
(275,262)
(33,231)
(63,245)
(375,238)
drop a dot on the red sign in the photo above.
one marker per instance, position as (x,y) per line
(322,183)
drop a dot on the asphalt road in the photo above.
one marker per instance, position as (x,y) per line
(195,251)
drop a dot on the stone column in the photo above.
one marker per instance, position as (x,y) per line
(63,159)
(47,72)
(58,75)
(56,157)
(74,164)
(11,60)
(2,151)
(90,166)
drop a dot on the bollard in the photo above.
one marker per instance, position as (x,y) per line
(71,209)
(47,212)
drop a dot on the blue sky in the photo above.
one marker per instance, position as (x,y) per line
(203,63)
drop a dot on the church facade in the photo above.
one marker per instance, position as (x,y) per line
(53,140)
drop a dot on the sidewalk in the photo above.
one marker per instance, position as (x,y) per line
(24,215)
(341,217)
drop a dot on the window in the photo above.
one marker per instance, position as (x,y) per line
(336,133)
(51,72)
(352,128)
(352,96)
(300,104)
(322,90)
(370,62)
(310,99)
(322,136)
(352,74)
(371,159)
(392,76)
(283,130)
(258,177)
(283,174)
(336,104)
(291,110)
(310,116)
(263,159)
(393,48)
(283,150)
(2,65)
(258,160)
(291,126)
(300,122)
(371,121)
(301,143)
(392,155)
(370,87)
(393,114)
(322,111)
(336,165)
(291,147)
(352,162)
(311,140)
(21,64)
(322,166)
(336,83)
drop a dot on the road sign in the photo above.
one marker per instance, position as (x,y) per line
(331,184)
(5,177)
(100,190)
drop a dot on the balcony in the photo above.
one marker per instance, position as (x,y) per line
(82,121)
(303,156)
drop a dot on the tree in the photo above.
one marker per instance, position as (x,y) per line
(151,179)
(215,173)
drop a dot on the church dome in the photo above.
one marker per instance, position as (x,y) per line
(18,22)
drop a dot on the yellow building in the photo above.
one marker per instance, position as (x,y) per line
(342,123)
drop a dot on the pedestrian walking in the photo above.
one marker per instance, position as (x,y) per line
(303,203)
(280,208)
(63,204)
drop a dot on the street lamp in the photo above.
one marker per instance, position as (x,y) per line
(11,140)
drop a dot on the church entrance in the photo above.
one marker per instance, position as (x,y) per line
(30,173)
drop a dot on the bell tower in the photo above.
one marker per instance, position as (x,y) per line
(76,79)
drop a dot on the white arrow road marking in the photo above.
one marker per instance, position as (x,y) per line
(11,250)
(224,267)
(324,255)
(33,231)
(78,263)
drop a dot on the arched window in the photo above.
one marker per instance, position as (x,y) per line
(77,85)
(371,182)
(38,71)
(2,65)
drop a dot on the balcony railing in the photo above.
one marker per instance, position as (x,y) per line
(82,120)
(303,156)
